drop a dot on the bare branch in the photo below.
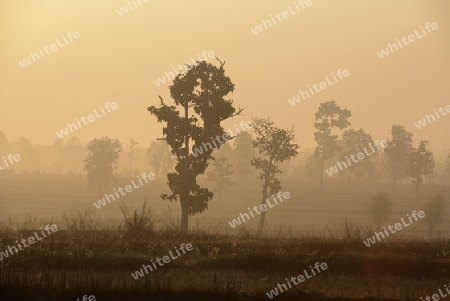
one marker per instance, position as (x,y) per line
(221,64)
(238,113)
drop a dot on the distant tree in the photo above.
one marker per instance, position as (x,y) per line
(421,163)
(328,116)
(380,208)
(226,151)
(273,145)
(160,157)
(203,88)
(243,149)
(30,159)
(397,153)
(221,173)
(355,142)
(434,212)
(101,161)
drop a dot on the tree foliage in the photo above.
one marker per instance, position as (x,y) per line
(203,88)
(328,117)
(421,163)
(397,153)
(355,141)
(273,145)
(101,161)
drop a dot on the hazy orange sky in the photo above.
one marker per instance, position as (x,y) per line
(117,58)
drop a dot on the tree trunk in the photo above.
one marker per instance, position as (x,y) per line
(185,190)
(184,217)
(394,184)
(263,213)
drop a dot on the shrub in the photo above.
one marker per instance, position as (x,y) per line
(380,208)
(137,224)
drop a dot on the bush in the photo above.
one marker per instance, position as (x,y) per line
(80,220)
(137,224)
(380,208)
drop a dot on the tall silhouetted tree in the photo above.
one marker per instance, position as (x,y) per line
(273,146)
(101,161)
(355,142)
(328,116)
(397,153)
(202,88)
(421,162)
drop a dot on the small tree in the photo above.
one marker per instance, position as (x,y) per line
(328,116)
(221,172)
(434,212)
(421,162)
(380,208)
(101,161)
(273,146)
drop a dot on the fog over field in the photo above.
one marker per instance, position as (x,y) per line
(291,150)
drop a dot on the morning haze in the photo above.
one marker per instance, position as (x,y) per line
(309,135)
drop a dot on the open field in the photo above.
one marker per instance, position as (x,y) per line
(308,210)
(69,264)
(91,255)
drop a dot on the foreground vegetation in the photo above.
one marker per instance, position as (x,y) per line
(70,264)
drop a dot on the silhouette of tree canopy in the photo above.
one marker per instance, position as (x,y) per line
(421,162)
(101,161)
(202,88)
(328,116)
(273,145)
(355,140)
(397,153)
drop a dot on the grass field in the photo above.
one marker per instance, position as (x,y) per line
(90,255)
